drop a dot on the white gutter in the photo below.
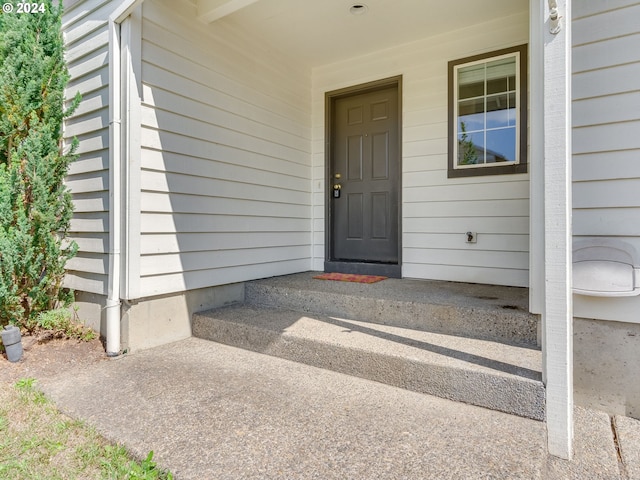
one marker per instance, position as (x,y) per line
(116,214)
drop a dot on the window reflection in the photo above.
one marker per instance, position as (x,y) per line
(487,112)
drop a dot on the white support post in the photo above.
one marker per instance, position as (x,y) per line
(558,306)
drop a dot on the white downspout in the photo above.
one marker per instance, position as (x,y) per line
(115,178)
(115,183)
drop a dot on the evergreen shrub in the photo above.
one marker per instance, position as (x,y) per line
(35,204)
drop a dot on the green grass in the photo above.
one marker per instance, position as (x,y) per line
(37,441)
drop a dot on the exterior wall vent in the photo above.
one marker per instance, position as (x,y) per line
(605,267)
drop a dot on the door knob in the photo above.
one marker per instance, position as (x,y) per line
(337,186)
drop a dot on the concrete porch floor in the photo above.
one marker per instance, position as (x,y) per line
(210,411)
(213,411)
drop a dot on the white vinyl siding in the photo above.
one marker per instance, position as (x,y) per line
(225,166)
(86,39)
(606,143)
(437,211)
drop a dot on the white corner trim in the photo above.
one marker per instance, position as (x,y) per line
(131,92)
(114,281)
(124,10)
(536,158)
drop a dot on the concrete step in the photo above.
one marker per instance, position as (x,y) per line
(488,312)
(498,376)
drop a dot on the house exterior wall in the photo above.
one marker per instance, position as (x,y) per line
(225,173)
(85,26)
(606,144)
(219,171)
(436,210)
(226,129)
(213,118)
(606,204)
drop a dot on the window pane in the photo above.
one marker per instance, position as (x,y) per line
(497,111)
(471,123)
(503,68)
(497,85)
(471,90)
(469,107)
(471,81)
(470,148)
(501,118)
(499,74)
(497,102)
(512,110)
(501,145)
(471,115)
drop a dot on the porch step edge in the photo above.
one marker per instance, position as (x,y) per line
(505,324)
(482,373)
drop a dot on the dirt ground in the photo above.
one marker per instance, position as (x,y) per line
(42,359)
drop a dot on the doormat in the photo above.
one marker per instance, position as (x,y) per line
(350,277)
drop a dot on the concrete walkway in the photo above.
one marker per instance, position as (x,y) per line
(210,411)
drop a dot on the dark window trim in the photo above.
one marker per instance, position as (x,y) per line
(520,167)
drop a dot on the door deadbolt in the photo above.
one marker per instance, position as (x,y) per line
(338,176)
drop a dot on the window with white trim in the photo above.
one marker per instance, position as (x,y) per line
(488,113)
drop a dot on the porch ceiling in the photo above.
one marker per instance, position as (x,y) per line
(319,32)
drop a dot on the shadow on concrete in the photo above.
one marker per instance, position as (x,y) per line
(440,350)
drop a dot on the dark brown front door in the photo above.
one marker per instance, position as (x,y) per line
(364,173)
